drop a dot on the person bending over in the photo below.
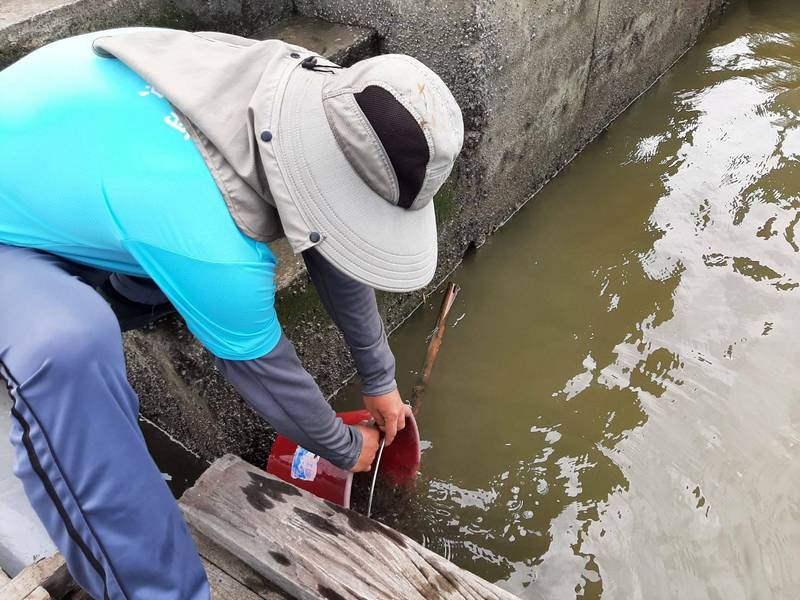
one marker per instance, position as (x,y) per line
(143,170)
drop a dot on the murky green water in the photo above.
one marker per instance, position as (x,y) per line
(179,467)
(616,411)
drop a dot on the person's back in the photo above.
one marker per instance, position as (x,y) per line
(96,166)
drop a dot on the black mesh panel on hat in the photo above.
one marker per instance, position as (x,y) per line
(401,136)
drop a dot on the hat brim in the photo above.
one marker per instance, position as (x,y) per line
(364,236)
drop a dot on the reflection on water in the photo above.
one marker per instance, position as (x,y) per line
(616,413)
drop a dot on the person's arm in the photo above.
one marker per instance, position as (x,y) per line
(354,309)
(276,385)
(284,393)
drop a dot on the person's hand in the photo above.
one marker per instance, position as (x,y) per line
(389,413)
(372,439)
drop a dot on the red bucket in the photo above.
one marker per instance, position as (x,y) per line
(290,462)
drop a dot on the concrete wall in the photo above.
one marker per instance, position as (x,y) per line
(28,24)
(536,79)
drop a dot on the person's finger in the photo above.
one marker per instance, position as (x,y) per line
(401,421)
(379,420)
(390,431)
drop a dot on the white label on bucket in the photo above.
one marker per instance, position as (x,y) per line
(304,465)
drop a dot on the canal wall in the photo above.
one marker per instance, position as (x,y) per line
(536,80)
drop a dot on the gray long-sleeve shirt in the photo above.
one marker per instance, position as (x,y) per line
(277,386)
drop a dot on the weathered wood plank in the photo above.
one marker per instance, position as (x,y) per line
(32,577)
(225,587)
(54,580)
(315,550)
(60,583)
(77,595)
(229,578)
(225,571)
(4,579)
(39,594)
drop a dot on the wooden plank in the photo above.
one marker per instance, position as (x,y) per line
(4,579)
(219,561)
(225,587)
(32,577)
(230,579)
(315,550)
(54,580)
(60,583)
(78,594)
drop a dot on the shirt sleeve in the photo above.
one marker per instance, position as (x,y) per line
(354,309)
(281,391)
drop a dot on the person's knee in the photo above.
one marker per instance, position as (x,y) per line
(64,345)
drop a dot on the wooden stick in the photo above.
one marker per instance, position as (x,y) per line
(433,347)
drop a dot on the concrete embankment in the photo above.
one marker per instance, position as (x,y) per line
(536,81)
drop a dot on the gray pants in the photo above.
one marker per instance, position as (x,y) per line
(80,453)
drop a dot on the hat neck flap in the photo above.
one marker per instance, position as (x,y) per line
(210,79)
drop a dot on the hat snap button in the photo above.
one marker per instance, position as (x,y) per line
(266,136)
(314,237)
(294,55)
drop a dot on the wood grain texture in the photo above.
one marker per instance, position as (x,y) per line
(59,583)
(315,550)
(230,578)
(39,594)
(225,587)
(26,582)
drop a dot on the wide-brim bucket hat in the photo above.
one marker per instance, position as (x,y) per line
(355,158)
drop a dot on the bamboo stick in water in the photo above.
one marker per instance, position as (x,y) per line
(433,347)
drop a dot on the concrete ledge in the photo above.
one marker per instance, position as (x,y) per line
(343,44)
(25,26)
(29,24)
(18,12)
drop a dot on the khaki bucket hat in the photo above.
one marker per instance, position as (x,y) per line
(354,158)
